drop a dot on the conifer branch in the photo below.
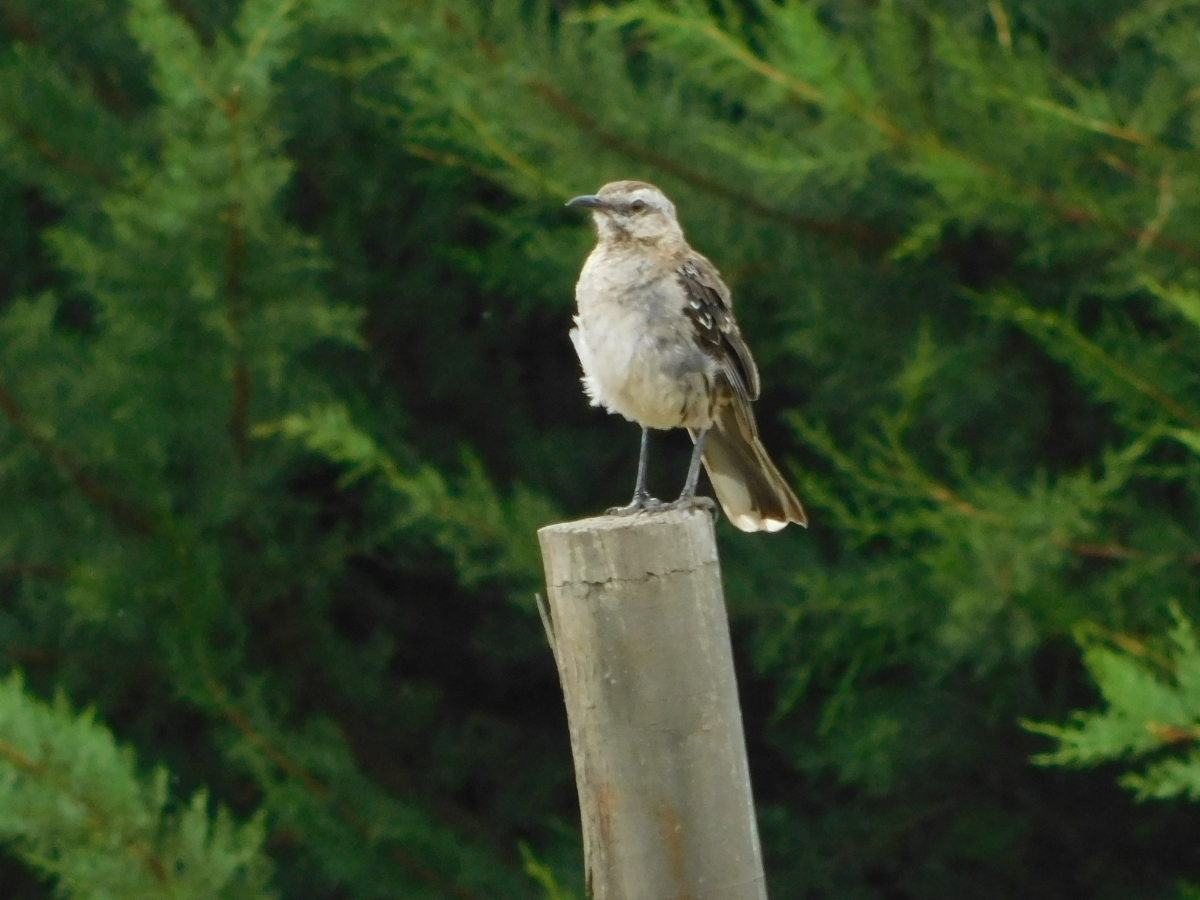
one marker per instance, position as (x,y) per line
(852,849)
(187,12)
(19,759)
(737,51)
(31,657)
(1166,202)
(124,513)
(26,31)
(944,495)
(72,804)
(509,157)
(1089,124)
(22,27)
(43,773)
(55,157)
(441,158)
(239,411)
(1104,551)
(1135,381)
(48,571)
(1172,734)
(285,763)
(1003,29)
(324,793)
(259,40)
(864,236)
(1116,551)
(1127,642)
(1049,326)
(802,89)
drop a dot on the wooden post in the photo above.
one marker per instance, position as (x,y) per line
(640,635)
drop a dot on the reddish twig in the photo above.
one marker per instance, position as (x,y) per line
(36,770)
(344,810)
(1172,734)
(1102,551)
(49,571)
(944,495)
(22,27)
(123,512)
(60,160)
(863,236)
(239,411)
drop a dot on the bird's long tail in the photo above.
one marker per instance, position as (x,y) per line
(749,488)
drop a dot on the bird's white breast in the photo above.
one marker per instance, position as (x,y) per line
(637,361)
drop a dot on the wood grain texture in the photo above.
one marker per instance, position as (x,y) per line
(641,638)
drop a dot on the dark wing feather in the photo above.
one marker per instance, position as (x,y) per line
(710,309)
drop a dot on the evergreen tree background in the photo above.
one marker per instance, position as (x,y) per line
(285,391)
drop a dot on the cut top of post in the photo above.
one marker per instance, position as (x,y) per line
(628,547)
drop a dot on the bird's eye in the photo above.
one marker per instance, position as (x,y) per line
(637,205)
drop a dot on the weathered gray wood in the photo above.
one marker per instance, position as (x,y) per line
(641,638)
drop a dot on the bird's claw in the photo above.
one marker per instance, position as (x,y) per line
(648,504)
(640,503)
(708,504)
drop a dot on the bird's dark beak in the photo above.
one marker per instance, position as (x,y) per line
(587,201)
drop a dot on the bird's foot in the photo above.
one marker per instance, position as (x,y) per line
(640,503)
(708,504)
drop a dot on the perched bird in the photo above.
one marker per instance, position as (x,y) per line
(658,344)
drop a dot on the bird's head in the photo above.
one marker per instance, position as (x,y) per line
(632,211)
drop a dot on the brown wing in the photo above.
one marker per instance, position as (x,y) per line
(710,309)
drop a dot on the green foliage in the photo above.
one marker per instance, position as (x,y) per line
(285,392)
(1152,702)
(139,504)
(544,876)
(486,537)
(73,805)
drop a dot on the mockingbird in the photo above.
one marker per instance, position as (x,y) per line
(658,344)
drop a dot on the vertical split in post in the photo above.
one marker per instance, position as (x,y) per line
(641,640)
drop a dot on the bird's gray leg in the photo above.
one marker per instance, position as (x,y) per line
(687,497)
(641,500)
(693,475)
